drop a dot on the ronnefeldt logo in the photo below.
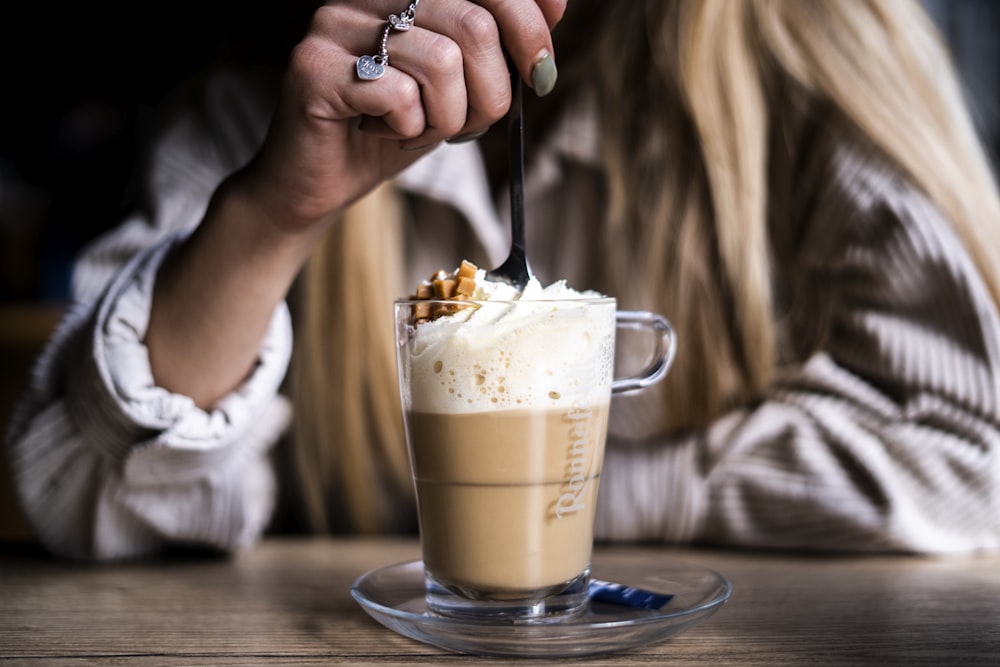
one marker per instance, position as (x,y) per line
(578,459)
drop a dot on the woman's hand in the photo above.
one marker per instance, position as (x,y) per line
(335,136)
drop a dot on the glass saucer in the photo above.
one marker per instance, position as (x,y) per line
(394,596)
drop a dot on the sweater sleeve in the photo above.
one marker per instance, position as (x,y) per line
(105,463)
(884,435)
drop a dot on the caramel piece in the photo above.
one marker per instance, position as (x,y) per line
(467,269)
(459,285)
(466,286)
(442,309)
(444,289)
(422,311)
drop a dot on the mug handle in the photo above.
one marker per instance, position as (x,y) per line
(662,360)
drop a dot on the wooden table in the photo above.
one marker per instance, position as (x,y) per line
(287,602)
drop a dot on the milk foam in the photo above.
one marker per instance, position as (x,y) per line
(532,349)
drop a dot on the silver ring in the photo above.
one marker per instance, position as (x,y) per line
(373,67)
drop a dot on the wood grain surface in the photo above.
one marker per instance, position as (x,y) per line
(287,602)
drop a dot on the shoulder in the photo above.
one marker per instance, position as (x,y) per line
(210,126)
(842,191)
(221,113)
(861,248)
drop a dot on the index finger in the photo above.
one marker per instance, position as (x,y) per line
(526,32)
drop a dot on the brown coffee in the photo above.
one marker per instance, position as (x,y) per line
(507,498)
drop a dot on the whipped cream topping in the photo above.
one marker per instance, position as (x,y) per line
(507,349)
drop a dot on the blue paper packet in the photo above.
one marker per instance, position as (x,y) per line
(606,591)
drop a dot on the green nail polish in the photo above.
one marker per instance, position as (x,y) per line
(544,75)
(466,138)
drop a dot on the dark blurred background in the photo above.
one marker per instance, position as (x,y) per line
(77,79)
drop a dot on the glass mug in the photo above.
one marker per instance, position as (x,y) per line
(506,412)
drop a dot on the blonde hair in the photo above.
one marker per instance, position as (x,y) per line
(349,446)
(694,92)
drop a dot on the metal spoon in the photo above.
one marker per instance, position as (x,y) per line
(515,270)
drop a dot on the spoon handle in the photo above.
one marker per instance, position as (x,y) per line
(516,156)
(515,270)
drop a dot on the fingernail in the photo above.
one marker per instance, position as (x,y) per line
(415,147)
(544,74)
(466,138)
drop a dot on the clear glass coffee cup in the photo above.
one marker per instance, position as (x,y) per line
(506,412)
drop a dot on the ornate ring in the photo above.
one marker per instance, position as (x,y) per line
(373,67)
